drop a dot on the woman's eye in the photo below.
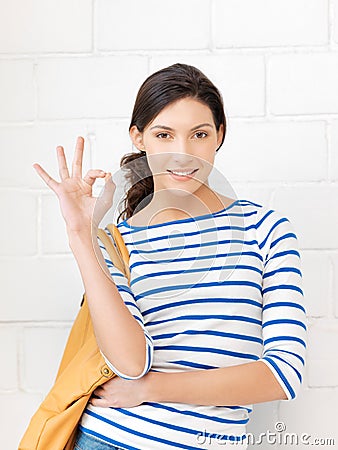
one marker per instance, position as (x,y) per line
(162,134)
(201,132)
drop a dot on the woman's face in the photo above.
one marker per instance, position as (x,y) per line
(181,138)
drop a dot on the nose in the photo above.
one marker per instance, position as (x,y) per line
(182,151)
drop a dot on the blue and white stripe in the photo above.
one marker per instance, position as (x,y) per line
(210,291)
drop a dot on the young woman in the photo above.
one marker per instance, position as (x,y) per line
(213,320)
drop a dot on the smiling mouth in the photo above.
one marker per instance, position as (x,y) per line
(182,173)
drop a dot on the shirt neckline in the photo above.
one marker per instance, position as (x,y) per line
(188,219)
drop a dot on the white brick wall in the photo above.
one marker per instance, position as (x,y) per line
(303,83)
(70,68)
(38,26)
(17,90)
(91,86)
(148,26)
(41,347)
(263,23)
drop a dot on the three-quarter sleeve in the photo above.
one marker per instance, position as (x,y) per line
(121,282)
(284,329)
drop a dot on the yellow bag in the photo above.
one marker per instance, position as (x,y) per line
(81,371)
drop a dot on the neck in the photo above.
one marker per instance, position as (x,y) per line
(183,203)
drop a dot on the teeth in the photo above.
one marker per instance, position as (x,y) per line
(183,173)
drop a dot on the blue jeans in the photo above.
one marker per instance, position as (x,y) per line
(85,441)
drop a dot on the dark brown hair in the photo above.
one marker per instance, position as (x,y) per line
(158,91)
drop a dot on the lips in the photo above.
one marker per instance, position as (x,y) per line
(182,177)
(183,171)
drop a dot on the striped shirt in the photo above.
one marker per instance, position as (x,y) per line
(210,291)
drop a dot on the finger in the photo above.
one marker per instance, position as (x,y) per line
(77,160)
(63,169)
(46,178)
(109,189)
(99,402)
(98,391)
(92,174)
(109,181)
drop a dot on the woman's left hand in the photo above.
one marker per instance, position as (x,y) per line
(121,393)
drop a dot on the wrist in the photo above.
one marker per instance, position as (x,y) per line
(153,384)
(86,235)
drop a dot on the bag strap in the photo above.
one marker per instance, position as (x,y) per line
(116,248)
(121,247)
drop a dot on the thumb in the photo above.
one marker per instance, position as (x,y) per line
(105,201)
(109,189)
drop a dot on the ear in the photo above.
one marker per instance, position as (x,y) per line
(220,134)
(136,137)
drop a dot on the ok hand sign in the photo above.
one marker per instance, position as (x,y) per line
(79,208)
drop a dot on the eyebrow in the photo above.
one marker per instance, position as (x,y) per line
(164,127)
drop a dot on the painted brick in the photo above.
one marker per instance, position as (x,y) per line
(50,288)
(323,372)
(15,412)
(334,259)
(39,26)
(274,151)
(17,91)
(262,23)
(42,351)
(182,25)
(333,150)
(9,359)
(89,87)
(313,212)
(302,83)
(322,340)
(335,20)
(54,238)
(316,270)
(20,224)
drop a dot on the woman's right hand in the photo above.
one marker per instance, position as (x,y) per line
(78,206)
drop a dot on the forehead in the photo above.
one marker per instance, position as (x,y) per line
(183,113)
